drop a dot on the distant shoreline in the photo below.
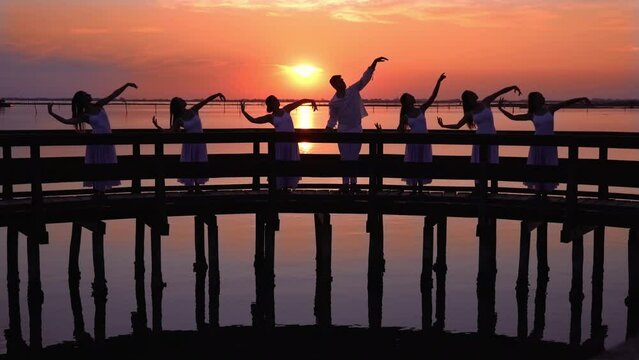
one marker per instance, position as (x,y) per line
(596,103)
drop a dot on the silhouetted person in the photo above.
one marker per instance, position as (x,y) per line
(85,111)
(414,119)
(281,119)
(189,120)
(478,115)
(346,110)
(543,118)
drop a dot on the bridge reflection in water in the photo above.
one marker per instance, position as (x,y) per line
(580,212)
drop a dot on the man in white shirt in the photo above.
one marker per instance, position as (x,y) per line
(346,111)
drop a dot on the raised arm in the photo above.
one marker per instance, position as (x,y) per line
(115,94)
(464,120)
(201,104)
(71,121)
(260,120)
(566,103)
(490,98)
(519,117)
(368,74)
(294,105)
(432,98)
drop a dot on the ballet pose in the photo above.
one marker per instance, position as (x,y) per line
(189,119)
(346,111)
(281,119)
(414,118)
(478,115)
(86,111)
(543,118)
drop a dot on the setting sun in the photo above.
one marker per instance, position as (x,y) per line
(305,70)
(302,74)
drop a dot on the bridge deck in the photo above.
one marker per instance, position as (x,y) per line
(60,209)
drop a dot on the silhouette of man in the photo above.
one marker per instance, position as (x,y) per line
(346,110)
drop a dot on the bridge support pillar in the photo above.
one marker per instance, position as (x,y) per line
(539,322)
(139,321)
(376,265)
(440,268)
(597,329)
(15,342)
(632,301)
(576,290)
(323,276)
(486,315)
(263,310)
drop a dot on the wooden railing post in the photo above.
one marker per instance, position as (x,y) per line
(256,156)
(567,233)
(272,176)
(136,182)
(7,186)
(603,187)
(160,188)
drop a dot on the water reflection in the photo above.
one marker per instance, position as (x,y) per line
(267,224)
(305,119)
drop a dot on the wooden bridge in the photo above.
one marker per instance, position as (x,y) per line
(591,208)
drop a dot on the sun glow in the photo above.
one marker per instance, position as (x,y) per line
(305,70)
(302,74)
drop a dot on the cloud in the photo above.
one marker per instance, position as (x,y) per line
(145,30)
(489,13)
(89,31)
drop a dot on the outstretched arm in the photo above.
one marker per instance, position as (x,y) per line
(465,120)
(432,98)
(201,104)
(260,120)
(294,105)
(115,94)
(519,117)
(71,121)
(566,103)
(176,125)
(368,74)
(490,98)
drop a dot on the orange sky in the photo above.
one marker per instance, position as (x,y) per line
(192,48)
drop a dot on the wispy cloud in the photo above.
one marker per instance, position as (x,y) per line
(145,30)
(89,31)
(462,12)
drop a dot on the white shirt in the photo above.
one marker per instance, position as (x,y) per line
(347,112)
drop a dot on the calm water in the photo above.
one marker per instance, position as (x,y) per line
(295,249)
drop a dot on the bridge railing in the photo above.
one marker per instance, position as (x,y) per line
(375,165)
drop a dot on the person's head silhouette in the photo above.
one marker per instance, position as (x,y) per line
(337,83)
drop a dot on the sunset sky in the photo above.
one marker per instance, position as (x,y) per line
(250,49)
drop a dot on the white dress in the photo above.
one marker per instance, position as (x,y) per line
(542,154)
(100,153)
(421,153)
(192,152)
(285,150)
(485,125)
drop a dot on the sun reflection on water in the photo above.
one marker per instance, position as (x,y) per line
(304,120)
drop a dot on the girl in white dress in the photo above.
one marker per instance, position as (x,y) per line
(543,118)
(477,115)
(189,119)
(85,111)
(415,120)
(281,119)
